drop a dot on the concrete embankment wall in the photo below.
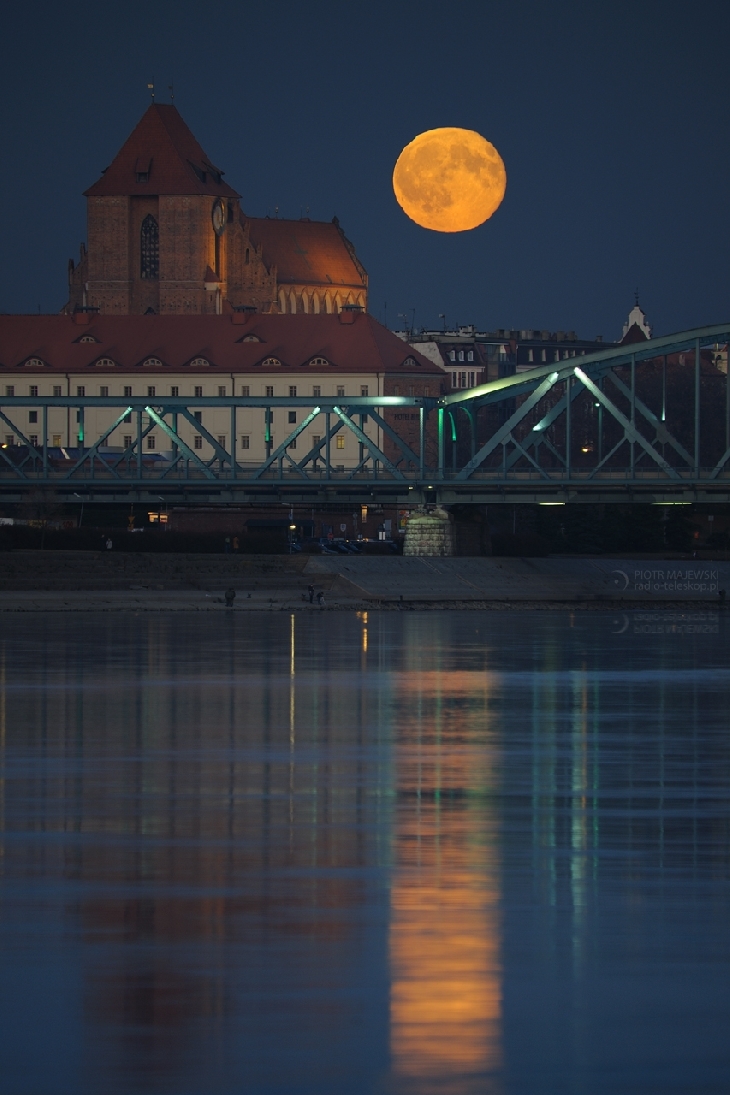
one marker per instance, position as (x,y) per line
(352,578)
(553,579)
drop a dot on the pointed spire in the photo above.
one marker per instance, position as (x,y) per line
(161,156)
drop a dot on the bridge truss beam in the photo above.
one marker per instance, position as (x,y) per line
(521,442)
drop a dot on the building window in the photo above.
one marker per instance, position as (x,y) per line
(127,392)
(9,439)
(56,442)
(396,389)
(530,356)
(149,249)
(543,355)
(340,390)
(271,361)
(452,355)
(200,362)
(151,392)
(426,390)
(557,355)
(222,440)
(292,416)
(318,362)
(471,380)
(245,441)
(363,389)
(292,444)
(150,441)
(33,390)
(128,417)
(81,391)
(316,391)
(198,393)
(292,391)
(174,391)
(340,440)
(461,355)
(127,440)
(104,391)
(198,416)
(245,391)
(197,441)
(470,356)
(411,390)
(10,390)
(462,380)
(105,362)
(248,256)
(269,390)
(221,392)
(34,440)
(56,391)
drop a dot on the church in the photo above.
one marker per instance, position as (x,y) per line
(167,236)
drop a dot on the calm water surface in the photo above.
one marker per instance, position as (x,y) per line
(448,853)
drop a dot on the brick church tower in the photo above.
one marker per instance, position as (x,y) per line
(166,235)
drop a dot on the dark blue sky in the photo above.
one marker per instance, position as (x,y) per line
(612,120)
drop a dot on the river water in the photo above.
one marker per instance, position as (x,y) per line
(344,854)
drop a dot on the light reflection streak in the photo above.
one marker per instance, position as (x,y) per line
(446,995)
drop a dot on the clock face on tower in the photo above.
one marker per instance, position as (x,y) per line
(218,217)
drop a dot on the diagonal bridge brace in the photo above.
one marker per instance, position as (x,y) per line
(368,442)
(280,452)
(93,452)
(504,433)
(630,431)
(158,420)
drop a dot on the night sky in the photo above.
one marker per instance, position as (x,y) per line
(612,120)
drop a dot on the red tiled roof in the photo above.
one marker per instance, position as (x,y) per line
(361,346)
(305,252)
(162,144)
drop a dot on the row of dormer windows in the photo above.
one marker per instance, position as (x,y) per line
(202,362)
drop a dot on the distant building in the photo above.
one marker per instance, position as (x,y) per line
(636,325)
(166,235)
(472,357)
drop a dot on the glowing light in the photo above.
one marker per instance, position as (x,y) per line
(449,180)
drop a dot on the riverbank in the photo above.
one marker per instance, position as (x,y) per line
(84,581)
(191,601)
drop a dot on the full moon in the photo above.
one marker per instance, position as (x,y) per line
(449,180)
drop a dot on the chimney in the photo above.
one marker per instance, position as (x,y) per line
(349,313)
(242,313)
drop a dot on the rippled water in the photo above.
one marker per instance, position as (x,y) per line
(450,853)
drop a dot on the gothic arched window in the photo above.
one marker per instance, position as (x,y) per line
(150,248)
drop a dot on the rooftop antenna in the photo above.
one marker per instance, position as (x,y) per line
(442,315)
(636,296)
(276,211)
(151,89)
(171,89)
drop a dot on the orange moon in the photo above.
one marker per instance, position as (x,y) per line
(449,180)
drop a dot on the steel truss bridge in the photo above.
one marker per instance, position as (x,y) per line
(648,422)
